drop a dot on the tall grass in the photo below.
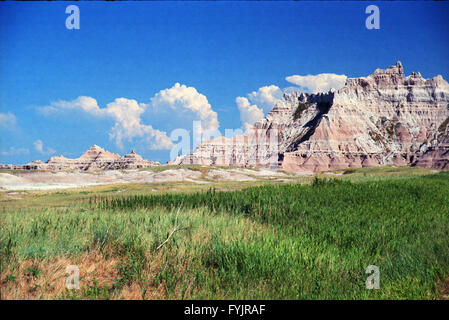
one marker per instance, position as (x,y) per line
(400,225)
(273,242)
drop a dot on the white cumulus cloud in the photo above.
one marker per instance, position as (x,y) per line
(322,82)
(82,103)
(180,105)
(257,104)
(265,97)
(249,113)
(126,114)
(128,124)
(171,108)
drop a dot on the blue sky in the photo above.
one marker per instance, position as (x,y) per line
(215,52)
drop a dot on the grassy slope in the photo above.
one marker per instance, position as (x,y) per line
(275,241)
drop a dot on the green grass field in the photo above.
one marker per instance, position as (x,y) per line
(303,240)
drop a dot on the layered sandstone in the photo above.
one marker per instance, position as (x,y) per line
(382,119)
(436,155)
(95,158)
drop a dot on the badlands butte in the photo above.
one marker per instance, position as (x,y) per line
(382,119)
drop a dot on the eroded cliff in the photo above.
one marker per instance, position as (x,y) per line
(384,118)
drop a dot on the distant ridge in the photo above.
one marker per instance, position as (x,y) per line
(95,158)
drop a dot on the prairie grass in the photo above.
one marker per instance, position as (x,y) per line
(275,241)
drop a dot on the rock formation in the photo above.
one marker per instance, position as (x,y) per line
(437,154)
(95,158)
(382,119)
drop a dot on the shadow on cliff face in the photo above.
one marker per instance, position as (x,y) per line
(323,108)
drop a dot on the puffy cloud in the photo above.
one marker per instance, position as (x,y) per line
(181,105)
(128,124)
(12,151)
(86,104)
(257,104)
(7,120)
(126,114)
(265,97)
(322,82)
(39,147)
(249,113)
(175,107)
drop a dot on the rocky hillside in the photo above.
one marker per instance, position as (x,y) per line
(95,158)
(384,118)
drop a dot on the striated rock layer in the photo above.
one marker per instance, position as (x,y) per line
(437,154)
(382,119)
(95,158)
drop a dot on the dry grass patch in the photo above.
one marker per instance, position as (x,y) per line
(99,275)
(445,290)
(46,279)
